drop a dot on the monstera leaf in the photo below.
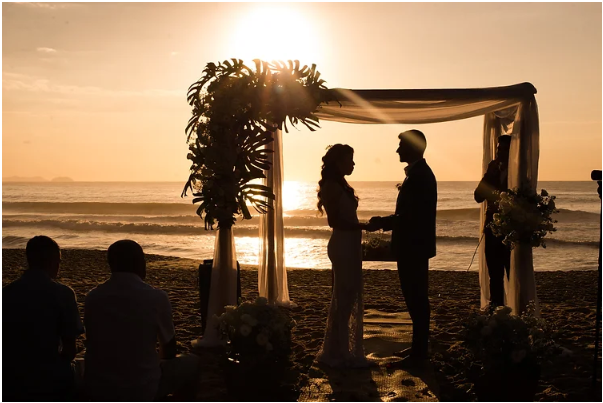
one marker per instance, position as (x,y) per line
(235,111)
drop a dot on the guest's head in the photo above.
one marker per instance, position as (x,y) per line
(502,149)
(412,145)
(43,253)
(126,256)
(337,163)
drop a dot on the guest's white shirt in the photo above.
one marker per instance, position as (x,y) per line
(124,319)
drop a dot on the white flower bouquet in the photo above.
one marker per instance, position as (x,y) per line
(256,328)
(524,217)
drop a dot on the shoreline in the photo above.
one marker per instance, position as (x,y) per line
(567,301)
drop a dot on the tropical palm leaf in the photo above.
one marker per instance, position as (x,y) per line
(235,111)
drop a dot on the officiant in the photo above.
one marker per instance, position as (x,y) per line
(498,255)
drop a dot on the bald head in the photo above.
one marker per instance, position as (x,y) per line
(127,256)
(412,145)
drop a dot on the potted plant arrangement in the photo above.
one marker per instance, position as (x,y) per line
(507,352)
(257,337)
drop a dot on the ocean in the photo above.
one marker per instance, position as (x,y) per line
(92,215)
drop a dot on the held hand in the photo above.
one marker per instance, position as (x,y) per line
(372,226)
(375,220)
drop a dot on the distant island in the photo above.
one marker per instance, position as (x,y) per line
(62,179)
(32,179)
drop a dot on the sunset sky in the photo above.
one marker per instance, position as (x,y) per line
(97,92)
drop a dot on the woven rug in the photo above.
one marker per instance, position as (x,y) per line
(384,333)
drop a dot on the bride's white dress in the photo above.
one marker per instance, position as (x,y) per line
(343,345)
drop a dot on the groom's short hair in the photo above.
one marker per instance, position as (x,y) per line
(415,139)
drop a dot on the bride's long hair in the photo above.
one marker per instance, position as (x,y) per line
(330,171)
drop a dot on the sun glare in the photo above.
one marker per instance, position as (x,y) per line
(293,196)
(274,32)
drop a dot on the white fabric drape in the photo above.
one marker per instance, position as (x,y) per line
(223,289)
(523,174)
(420,106)
(272,272)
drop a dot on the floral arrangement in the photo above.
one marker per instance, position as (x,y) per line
(377,248)
(524,217)
(256,329)
(235,112)
(503,354)
(501,341)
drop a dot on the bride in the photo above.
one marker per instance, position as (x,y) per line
(342,346)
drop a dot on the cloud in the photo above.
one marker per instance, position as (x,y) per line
(46,50)
(21,82)
(45,6)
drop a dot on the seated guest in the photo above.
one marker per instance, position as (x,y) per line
(125,317)
(40,324)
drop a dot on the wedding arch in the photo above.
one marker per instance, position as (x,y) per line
(238,117)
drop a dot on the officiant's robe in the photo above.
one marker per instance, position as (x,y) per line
(413,225)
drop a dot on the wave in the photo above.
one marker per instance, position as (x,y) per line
(182,213)
(549,241)
(100,208)
(313,232)
(473,214)
(148,228)
(14,241)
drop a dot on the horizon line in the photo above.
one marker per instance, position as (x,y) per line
(174,181)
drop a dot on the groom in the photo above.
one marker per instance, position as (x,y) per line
(414,236)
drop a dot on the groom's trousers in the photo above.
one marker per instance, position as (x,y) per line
(413,273)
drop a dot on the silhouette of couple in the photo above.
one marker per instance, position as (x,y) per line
(413,243)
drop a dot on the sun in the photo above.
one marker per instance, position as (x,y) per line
(274,32)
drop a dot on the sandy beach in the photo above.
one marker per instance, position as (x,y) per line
(568,303)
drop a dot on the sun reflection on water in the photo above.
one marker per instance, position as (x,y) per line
(298,196)
(299,252)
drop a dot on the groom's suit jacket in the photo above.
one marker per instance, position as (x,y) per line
(413,225)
